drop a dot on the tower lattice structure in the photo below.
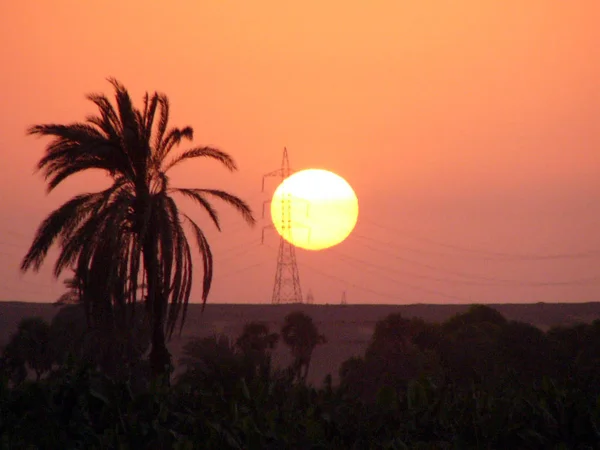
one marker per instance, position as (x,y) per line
(286,288)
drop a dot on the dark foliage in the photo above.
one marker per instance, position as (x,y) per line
(29,349)
(212,363)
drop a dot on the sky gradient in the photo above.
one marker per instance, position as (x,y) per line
(469,130)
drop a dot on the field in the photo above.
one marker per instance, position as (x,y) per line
(347,328)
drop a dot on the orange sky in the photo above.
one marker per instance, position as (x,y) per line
(461,125)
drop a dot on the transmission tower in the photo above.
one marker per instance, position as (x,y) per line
(287,280)
(344,301)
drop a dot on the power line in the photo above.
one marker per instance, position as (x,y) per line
(349,283)
(483,257)
(240,270)
(492,253)
(491,282)
(240,249)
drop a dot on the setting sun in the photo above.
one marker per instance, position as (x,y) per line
(314,209)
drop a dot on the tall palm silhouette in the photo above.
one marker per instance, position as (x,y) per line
(300,333)
(133,231)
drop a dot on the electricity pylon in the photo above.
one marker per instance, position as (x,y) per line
(287,279)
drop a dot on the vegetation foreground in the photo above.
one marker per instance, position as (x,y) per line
(473,381)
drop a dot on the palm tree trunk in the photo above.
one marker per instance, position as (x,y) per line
(298,368)
(160,358)
(306,367)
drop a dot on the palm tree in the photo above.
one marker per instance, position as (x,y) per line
(257,343)
(256,337)
(132,231)
(300,333)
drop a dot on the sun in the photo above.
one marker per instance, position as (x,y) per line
(314,209)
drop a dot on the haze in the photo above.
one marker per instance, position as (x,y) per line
(469,131)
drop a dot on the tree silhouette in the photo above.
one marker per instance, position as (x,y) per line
(392,353)
(396,331)
(256,343)
(133,230)
(211,362)
(392,358)
(29,348)
(475,316)
(300,334)
(477,330)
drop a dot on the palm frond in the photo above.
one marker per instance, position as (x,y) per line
(110,117)
(77,147)
(164,227)
(232,200)
(100,229)
(92,207)
(203,152)
(51,228)
(187,279)
(162,122)
(174,138)
(207,259)
(134,146)
(58,176)
(76,132)
(108,132)
(199,198)
(149,113)
(181,279)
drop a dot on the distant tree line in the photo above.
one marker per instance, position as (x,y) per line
(479,347)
